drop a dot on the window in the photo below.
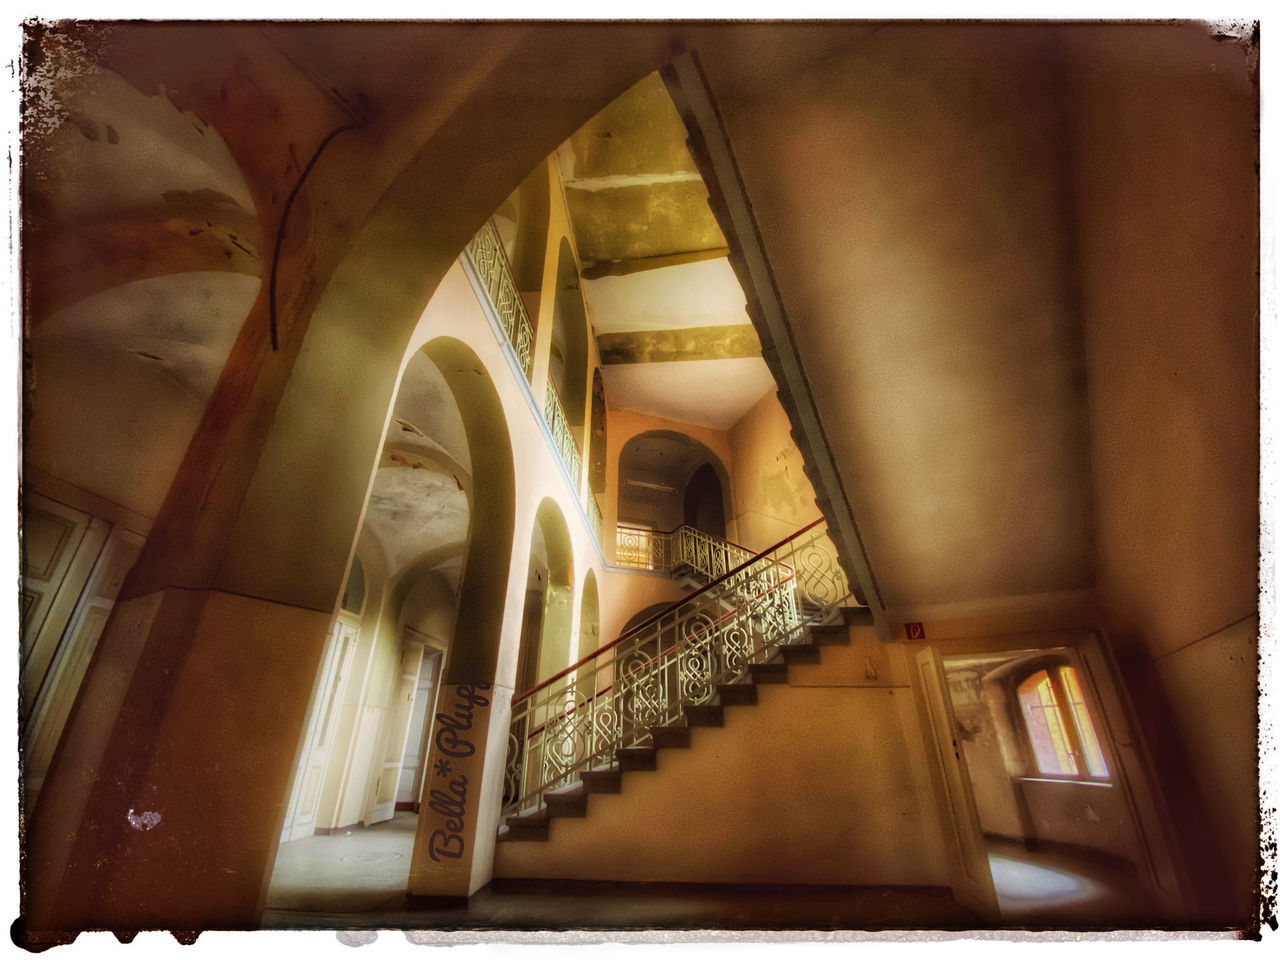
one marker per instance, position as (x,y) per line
(1059,726)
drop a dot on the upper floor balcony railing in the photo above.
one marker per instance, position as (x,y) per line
(487,255)
(667,550)
(561,432)
(489,262)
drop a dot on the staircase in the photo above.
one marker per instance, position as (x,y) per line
(579,732)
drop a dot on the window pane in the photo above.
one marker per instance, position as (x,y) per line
(1045,726)
(1084,723)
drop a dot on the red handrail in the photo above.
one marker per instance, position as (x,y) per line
(663,612)
(661,653)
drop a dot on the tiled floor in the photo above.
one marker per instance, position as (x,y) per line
(358,879)
(355,871)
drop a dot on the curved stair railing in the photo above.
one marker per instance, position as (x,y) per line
(614,698)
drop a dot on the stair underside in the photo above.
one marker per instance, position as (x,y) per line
(572,801)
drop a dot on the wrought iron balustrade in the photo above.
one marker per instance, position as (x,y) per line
(487,256)
(561,433)
(579,719)
(668,550)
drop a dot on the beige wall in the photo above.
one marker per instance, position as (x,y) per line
(1168,250)
(772,497)
(825,780)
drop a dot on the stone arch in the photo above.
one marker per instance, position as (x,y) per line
(589,617)
(482,591)
(704,501)
(599,447)
(656,470)
(568,363)
(545,632)
(522,223)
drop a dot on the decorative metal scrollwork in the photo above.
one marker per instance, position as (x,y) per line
(490,262)
(615,697)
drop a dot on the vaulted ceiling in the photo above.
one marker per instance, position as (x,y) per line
(1005,252)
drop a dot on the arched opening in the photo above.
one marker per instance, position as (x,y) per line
(443,493)
(667,478)
(704,501)
(522,227)
(599,455)
(568,362)
(545,631)
(589,617)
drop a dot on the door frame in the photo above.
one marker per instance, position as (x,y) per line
(971,881)
(1161,868)
(343,638)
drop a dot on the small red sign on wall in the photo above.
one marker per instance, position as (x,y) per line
(915,631)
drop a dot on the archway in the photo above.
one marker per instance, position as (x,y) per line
(599,447)
(666,478)
(568,362)
(704,501)
(545,632)
(442,495)
(589,617)
(251,542)
(522,227)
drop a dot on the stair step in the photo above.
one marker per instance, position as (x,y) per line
(704,715)
(772,672)
(571,804)
(736,694)
(833,635)
(801,653)
(670,737)
(602,781)
(637,758)
(858,617)
(532,826)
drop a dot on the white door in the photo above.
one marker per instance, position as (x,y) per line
(1129,772)
(398,715)
(60,546)
(970,871)
(66,669)
(300,821)
(415,745)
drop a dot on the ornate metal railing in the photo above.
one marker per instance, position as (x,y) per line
(566,445)
(487,255)
(667,551)
(579,719)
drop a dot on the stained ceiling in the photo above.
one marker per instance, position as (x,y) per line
(666,307)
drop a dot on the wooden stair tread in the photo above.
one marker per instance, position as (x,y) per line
(704,715)
(736,694)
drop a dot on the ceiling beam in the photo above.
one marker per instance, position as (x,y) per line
(725,342)
(621,268)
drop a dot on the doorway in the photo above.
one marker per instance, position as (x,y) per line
(1053,804)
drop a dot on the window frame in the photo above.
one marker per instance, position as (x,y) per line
(1068,717)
